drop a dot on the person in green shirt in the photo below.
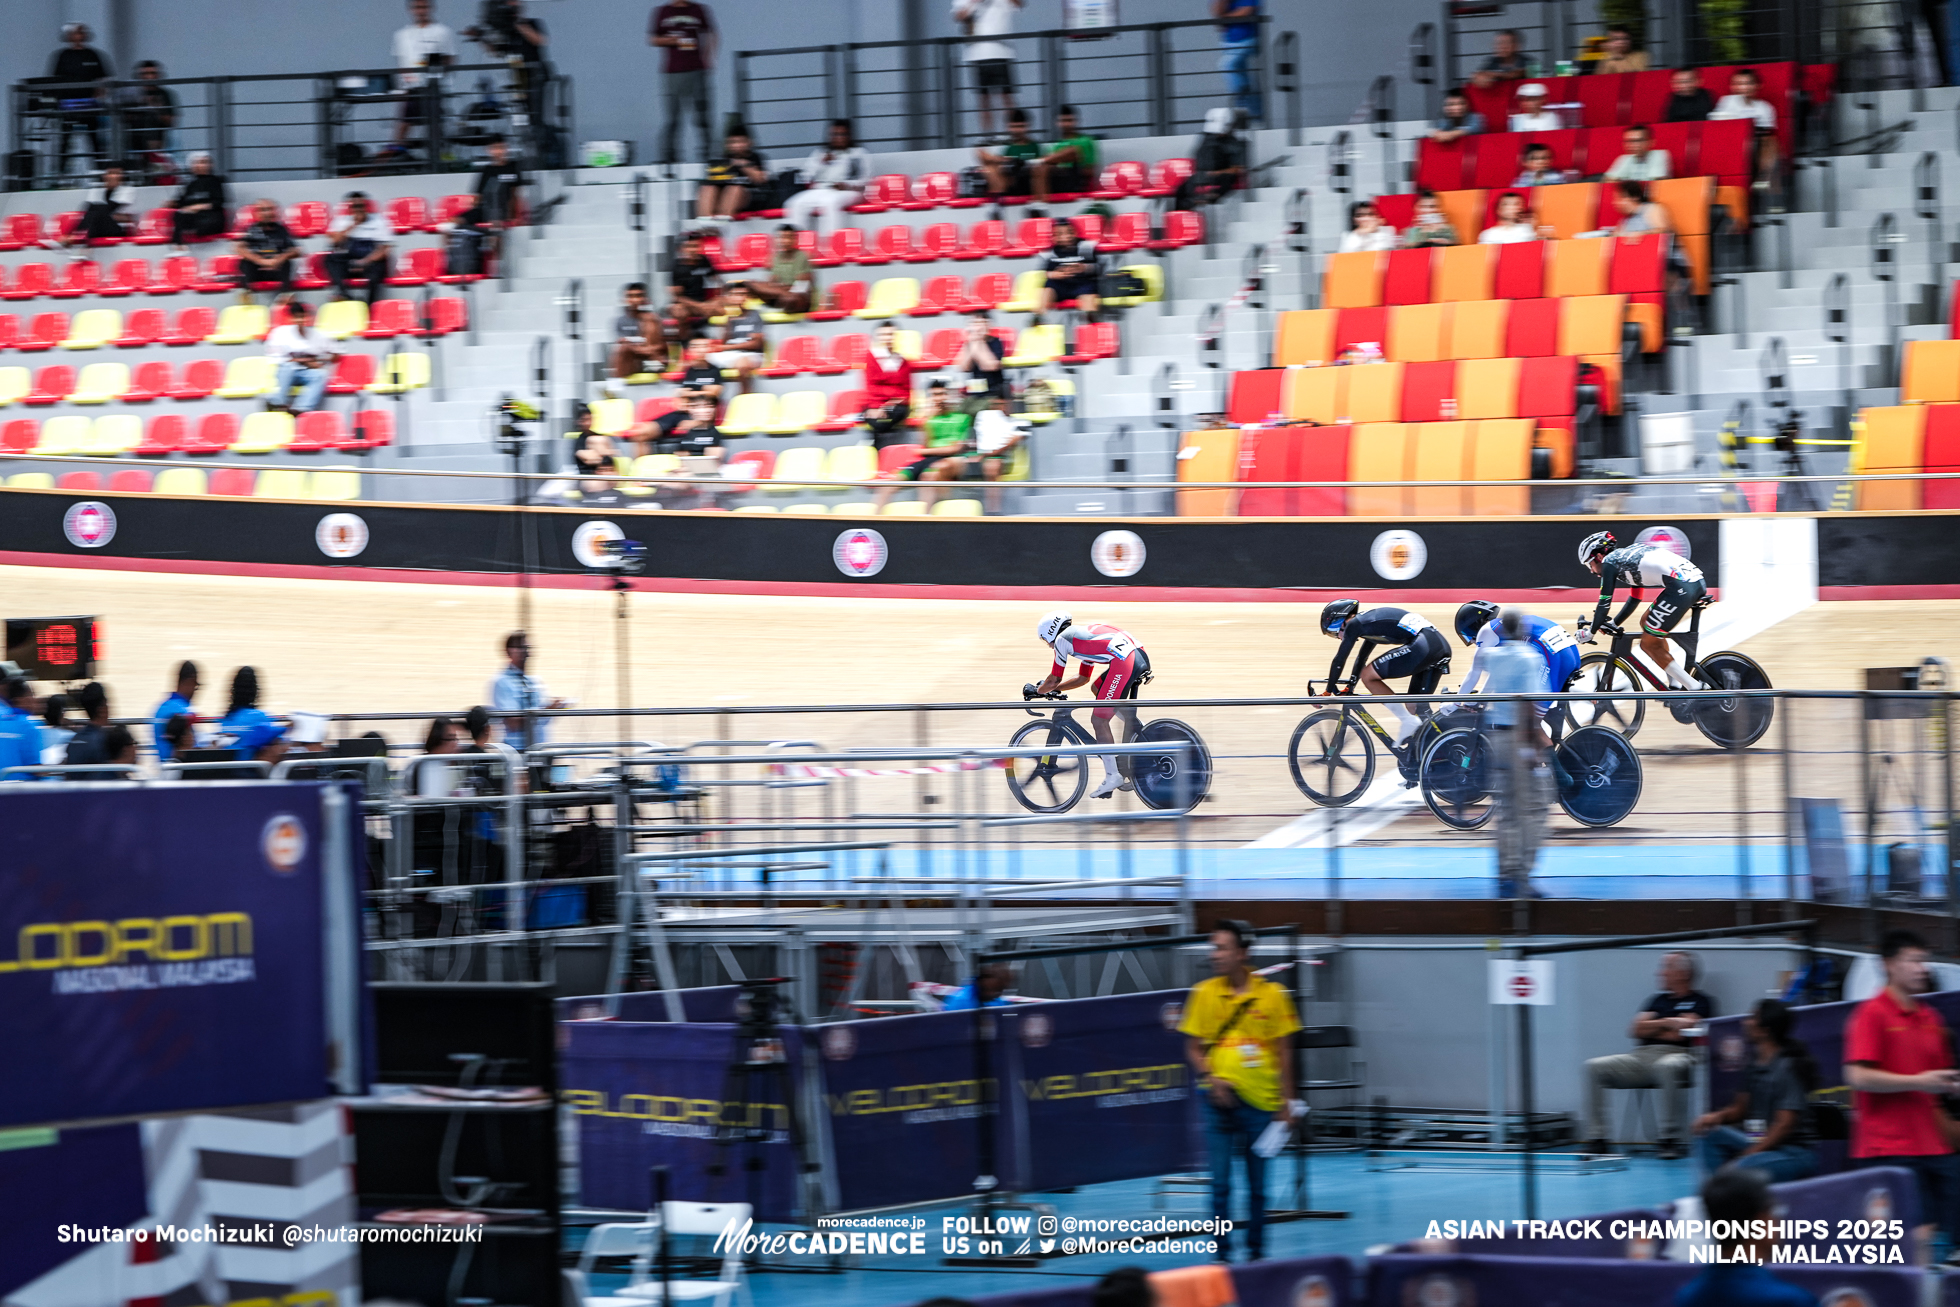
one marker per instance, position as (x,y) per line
(792,283)
(946,430)
(1008,169)
(1069,166)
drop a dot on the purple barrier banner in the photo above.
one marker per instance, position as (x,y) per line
(711,1003)
(1400,1281)
(646,1095)
(1078,1295)
(1877,1193)
(90,1177)
(1104,1092)
(160,949)
(1632,1241)
(1300,1282)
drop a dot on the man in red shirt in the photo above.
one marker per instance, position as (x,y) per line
(1898,1057)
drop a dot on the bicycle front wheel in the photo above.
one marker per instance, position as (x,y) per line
(1045,782)
(1177,778)
(1331,757)
(1605,675)
(1733,723)
(1598,776)
(1456,779)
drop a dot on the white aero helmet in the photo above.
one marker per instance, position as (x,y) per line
(1052,625)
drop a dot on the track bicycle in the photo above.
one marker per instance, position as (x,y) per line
(1732,723)
(1595,771)
(1049,783)
(1332,752)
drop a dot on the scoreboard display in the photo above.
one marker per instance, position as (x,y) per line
(55,648)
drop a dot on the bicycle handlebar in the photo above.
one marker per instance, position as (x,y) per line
(1029,692)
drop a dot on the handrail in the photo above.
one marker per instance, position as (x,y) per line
(1837,328)
(1287,75)
(1926,206)
(1422,66)
(1340,151)
(1884,236)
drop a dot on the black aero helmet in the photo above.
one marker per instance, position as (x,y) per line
(1471,617)
(1336,615)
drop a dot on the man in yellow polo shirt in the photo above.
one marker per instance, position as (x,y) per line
(1238,1031)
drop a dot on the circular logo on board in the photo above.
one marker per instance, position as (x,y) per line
(860,552)
(1170,1015)
(586,542)
(1314,1291)
(1036,1030)
(284,842)
(1729,1054)
(1878,1205)
(341,535)
(1671,538)
(839,1043)
(1439,1291)
(89,525)
(1398,555)
(1847,1298)
(1117,553)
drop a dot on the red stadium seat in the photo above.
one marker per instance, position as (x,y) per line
(1639,265)
(756,465)
(352,374)
(885,192)
(221,278)
(322,429)
(1255,396)
(796,354)
(1089,227)
(990,290)
(242,219)
(1429,392)
(30,280)
(845,298)
(143,327)
(1604,99)
(1120,181)
(847,354)
(46,331)
(893,458)
(21,231)
(940,293)
(751,251)
(941,347)
(1093,340)
(157,228)
(130,481)
(1647,94)
(201,377)
(846,246)
(152,381)
(126,278)
(233,481)
(1033,236)
(1546,387)
(418,268)
(655,407)
(193,325)
(19,436)
(892,243)
(1407,281)
(1532,331)
(984,240)
(9,330)
(86,482)
(390,318)
(1727,151)
(1127,231)
(1181,227)
(65,224)
(449,208)
(1520,271)
(312,273)
(1166,177)
(165,434)
(446,313)
(1445,167)
(373,428)
(931,191)
(408,214)
(1269,455)
(307,219)
(937,241)
(846,406)
(174,275)
(213,434)
(52,384)
(78,279)
(1942,454)
(1358,327)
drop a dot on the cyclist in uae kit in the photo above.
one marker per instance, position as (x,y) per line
(1477,625)
(1641,567)
(1420,653)
(1125,667)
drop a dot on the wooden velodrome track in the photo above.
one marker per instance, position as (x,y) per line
(333,646)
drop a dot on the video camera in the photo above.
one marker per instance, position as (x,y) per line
(626,557)
(497,27)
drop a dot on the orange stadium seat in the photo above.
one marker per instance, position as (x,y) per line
(1591,324)
(1315,394)
(1893,440)
(1207,456)
(1374,393)
(1379,451)
(1304,336)
(1477,328)
(1500,450)
(1576,267)
(1418,333)
(1487,388)
(1353,281)
(1930,373)
(1463,273)
(1441,452)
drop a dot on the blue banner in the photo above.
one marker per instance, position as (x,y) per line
(160,949)
(647,1095)
(1397,1279)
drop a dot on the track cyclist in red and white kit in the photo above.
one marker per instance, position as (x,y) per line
(1125,668)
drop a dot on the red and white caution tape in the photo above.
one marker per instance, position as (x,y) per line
(804,769)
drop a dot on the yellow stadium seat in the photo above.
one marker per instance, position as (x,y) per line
(1027,292)
(907,344)
(905,508)
(64,435)
(1152,278)
(1417,333)
(1037,345)
(797,412)
(806,508)
(1020,463)
(35,480)
(749,415)
(1354,281)
(262,433)
(280,483)
(890,296)
(341,319)
(1304,336)
(1316,394)
(1930,373)
(854,509)
(401,372)
(93,328)
(1567,210)
(1441,453)
(14,384)
(1208,456)
(247,377)
(1463,272)
(334,485)
(756,508)
(1374,392)
(1379,451)
(240,324)
(611,416)
(1465,210)
(1500,450)
(1477,328)
(796,469)
(1487,388)
(1576,267)
(851,463)
(649,465)
(1591,324)
(179,481)
(118,433)
(101,383)
(1893,440)
(958,508)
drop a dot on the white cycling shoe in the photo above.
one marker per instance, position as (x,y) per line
(1110,784)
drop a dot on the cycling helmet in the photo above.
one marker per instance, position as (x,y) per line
(1052,625)
(1594,545)
(1336,615)
(1470,619)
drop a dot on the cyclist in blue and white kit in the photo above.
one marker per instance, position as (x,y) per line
(1477,625)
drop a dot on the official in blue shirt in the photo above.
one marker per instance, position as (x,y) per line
(1238,32)
(247,728)
(20,734)
(1740,1194)
(985,990)
(177,703)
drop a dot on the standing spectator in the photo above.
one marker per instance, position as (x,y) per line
(175,704)
(266,253)
(981,358)
(692,292)
(201,211)
(635,349)
(1506,62)
(946,429)
(1532,115)
(1238,33)
(1745,100)
(1514,224)
(741,340)
(1068,167)
(20,738)
(887,388)
(739,173)
(362,241)
(149,113)
(1218,162)
(1071,270)
(1660,1060)
(1457,121)
(105,210)
(424,43)
(992,61)
(85,745)
(1621,57)
(791,286)
(1738,1278)
(1898,1058)
(1238,1030)
(55,731)
(1009,169)
(1430,227)
(246,728)
(500,184)
(304,359)
(1366,230)
(834,178)
(1688,101)
(1641,162)
(1774,1103)
(685,31)
(80,70)
(1538,168)
(516,692)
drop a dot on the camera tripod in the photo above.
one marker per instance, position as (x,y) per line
(758,1080)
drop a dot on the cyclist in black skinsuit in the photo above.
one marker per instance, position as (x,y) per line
(1420,653)
(1638,567)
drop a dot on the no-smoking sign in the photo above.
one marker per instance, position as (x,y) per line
(1513,982)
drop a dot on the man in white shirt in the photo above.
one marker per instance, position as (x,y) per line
(361,240)
(424,43)
(514,691)
(305,358)
(992,61)
(1745,100)
(1532,116)
(1641,162)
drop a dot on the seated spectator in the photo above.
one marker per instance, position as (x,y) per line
(119,746)
(1218,162)
(1774,1103)
(1515,222)
(1067,165)
(1641,162)
(246,728)
(834,178)
(467,241)
(1745,100)
(1688,102)
(1531,114)
(741,342)
(1430,227)
(1506,62)
(1739,1278)
(995,434)
(1660,1060)
(362,241)
(439,780)
(266,253)
(477,722)
(54,730)
(1538,169)
(305,360)
(86,744)
(595,454)
(887,388)
(981,357)
(1458,120)
(178,735)
(1638,214)
(1072,270)
(693,291)
(688,431)
(739,173)
(946,430)
(1366,230)
(149,111)
(105,210)
(1009,169)
(791,286)
(698,376)
(202,209)
(634,348)
(1621,57)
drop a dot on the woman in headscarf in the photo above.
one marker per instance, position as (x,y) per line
(1218,161)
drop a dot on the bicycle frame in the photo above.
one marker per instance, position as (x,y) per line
(1689,640)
